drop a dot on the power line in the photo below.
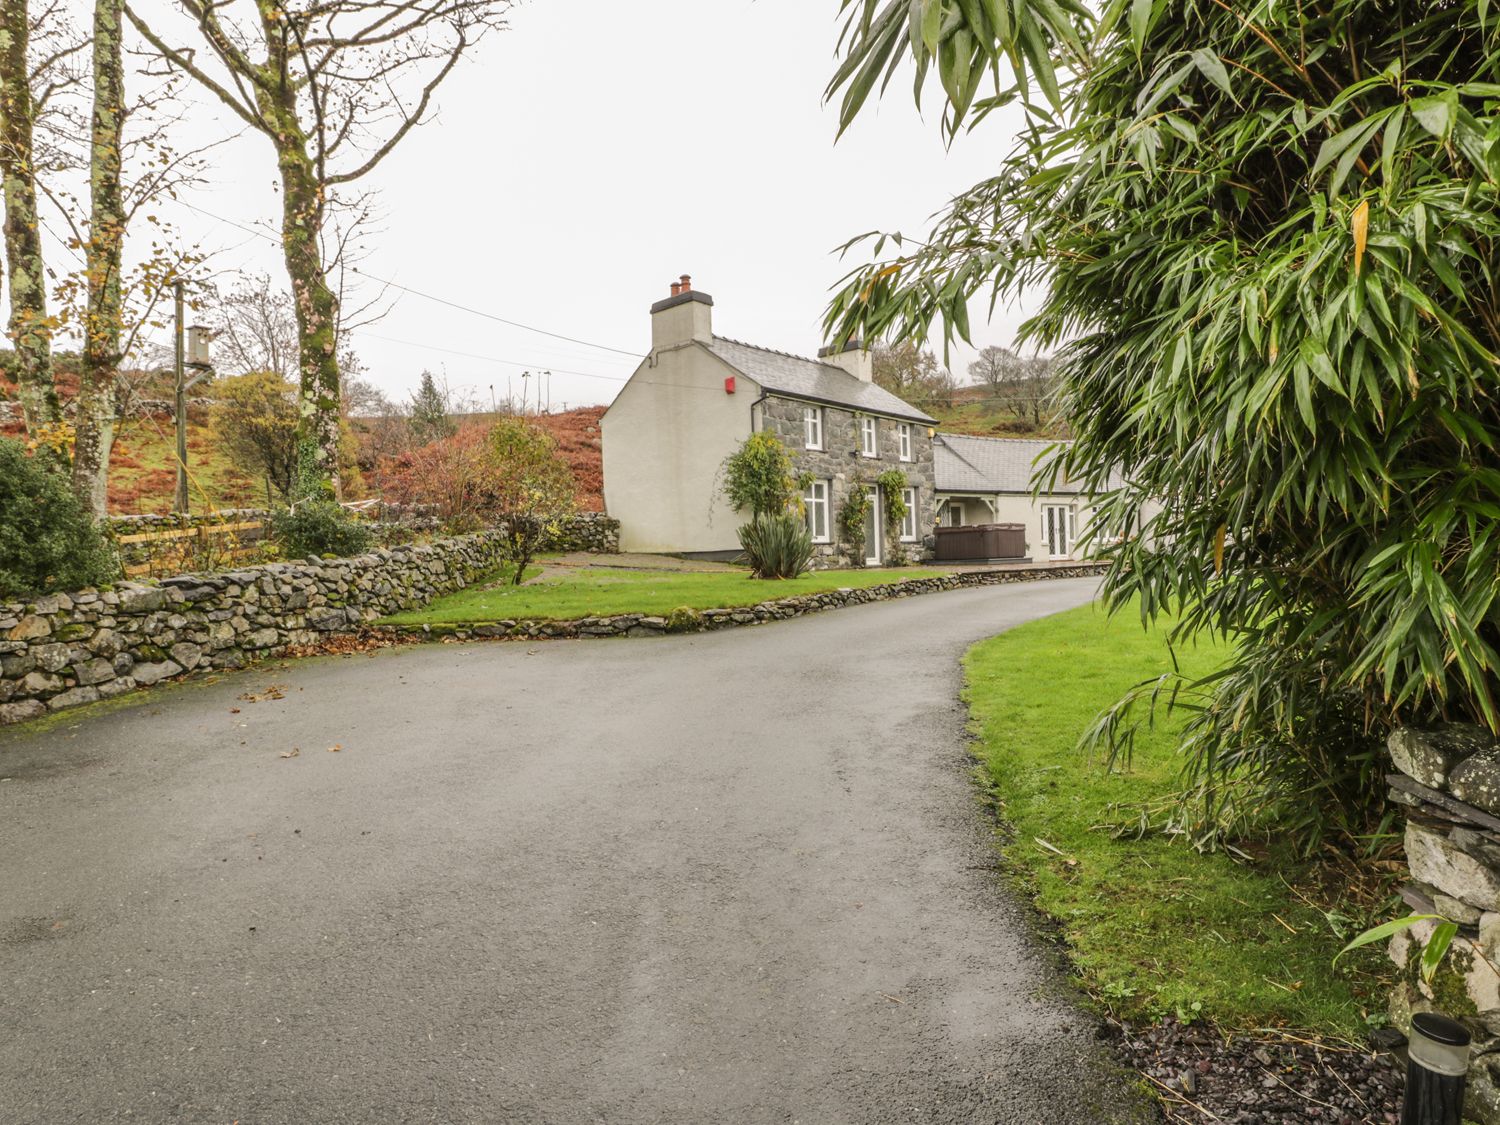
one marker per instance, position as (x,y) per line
(493,359)
(420,293)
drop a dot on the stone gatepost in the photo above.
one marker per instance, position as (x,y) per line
(1449,788)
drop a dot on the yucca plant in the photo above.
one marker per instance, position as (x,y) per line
(777,545)
(1267,235)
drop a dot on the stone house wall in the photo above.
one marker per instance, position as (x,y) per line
(61,650)
(1448,786)
(840,462)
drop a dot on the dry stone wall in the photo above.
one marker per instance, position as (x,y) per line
(585,531)
(62,650)
(1448,785)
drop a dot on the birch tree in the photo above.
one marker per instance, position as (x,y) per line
(94,425)
(130,162)
(334,86)
(24,92)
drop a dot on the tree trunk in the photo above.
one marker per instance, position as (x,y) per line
(317,320)
(97,400)
(316,305)
(30,329)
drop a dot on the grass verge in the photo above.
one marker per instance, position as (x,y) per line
(1153,926)
(601,591)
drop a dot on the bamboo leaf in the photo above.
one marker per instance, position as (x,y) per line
(1212,67)
(1359,225)
(1437,948)
(932,24)
(1387,930)
(1140,23)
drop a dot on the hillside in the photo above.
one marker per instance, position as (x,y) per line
(576,431)
(143,478)
(975,410)
(143,473)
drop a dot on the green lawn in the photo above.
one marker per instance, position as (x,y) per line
(1154,926)
(600,591)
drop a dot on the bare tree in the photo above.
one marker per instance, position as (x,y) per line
(1025,385)
(914,374)
(255,329)
(322,80)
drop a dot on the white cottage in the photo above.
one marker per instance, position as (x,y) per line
(698,396)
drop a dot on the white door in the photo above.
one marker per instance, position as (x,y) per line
(1055,530)
(872,530)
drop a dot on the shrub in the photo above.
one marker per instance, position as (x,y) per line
(319,527)
(1264,240)
(531,487)
(852,522)
(451,476)
(758,477)
(47,541)
(777,545)
(255,422)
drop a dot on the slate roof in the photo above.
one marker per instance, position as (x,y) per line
(799,377)
(962,463)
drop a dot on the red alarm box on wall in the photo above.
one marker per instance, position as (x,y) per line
(729,385)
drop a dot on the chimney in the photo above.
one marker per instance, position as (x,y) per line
(853,357)
(685,316)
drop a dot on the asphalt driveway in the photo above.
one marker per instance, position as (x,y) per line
(735,877)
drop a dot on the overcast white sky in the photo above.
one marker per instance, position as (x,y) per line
(582,159)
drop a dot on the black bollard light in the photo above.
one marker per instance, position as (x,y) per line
(1436,1066)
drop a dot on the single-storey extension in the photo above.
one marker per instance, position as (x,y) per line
(984,480)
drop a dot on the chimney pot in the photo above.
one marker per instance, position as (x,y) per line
(687,284)
(676,289)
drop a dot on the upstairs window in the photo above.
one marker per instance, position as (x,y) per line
(909,520)
(812,427)
(903,433)
(868,440)
(815,503)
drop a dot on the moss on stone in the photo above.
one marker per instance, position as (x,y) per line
(684,619)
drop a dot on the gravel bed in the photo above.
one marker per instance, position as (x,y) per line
(1203,1076)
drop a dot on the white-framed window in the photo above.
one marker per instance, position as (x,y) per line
(869,440)
(903,433)
(815,502)
(812,427)
(909,521)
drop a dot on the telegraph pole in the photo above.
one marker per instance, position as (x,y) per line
(199,361)
(178,371)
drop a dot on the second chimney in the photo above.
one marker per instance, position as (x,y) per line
(853,357)
(685,316)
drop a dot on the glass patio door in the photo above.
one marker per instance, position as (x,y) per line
(1055,530)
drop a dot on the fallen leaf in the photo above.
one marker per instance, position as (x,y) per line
(292,753)
(336,747)
(234,710)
